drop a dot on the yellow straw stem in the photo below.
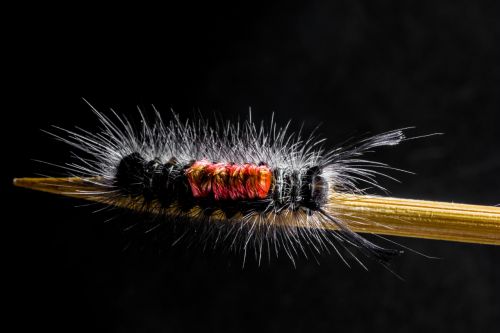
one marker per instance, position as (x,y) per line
(363,213)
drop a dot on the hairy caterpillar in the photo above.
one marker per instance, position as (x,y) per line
(242,184)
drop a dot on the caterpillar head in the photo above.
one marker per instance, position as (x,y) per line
(314,190)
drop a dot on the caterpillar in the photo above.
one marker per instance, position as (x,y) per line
(247,185)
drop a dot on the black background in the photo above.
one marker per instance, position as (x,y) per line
(352,66)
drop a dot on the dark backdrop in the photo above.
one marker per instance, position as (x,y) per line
(352,66)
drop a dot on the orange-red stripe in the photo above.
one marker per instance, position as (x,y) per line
(229,181)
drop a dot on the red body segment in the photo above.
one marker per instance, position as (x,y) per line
(227,181)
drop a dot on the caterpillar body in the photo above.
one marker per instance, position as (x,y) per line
(243,184)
